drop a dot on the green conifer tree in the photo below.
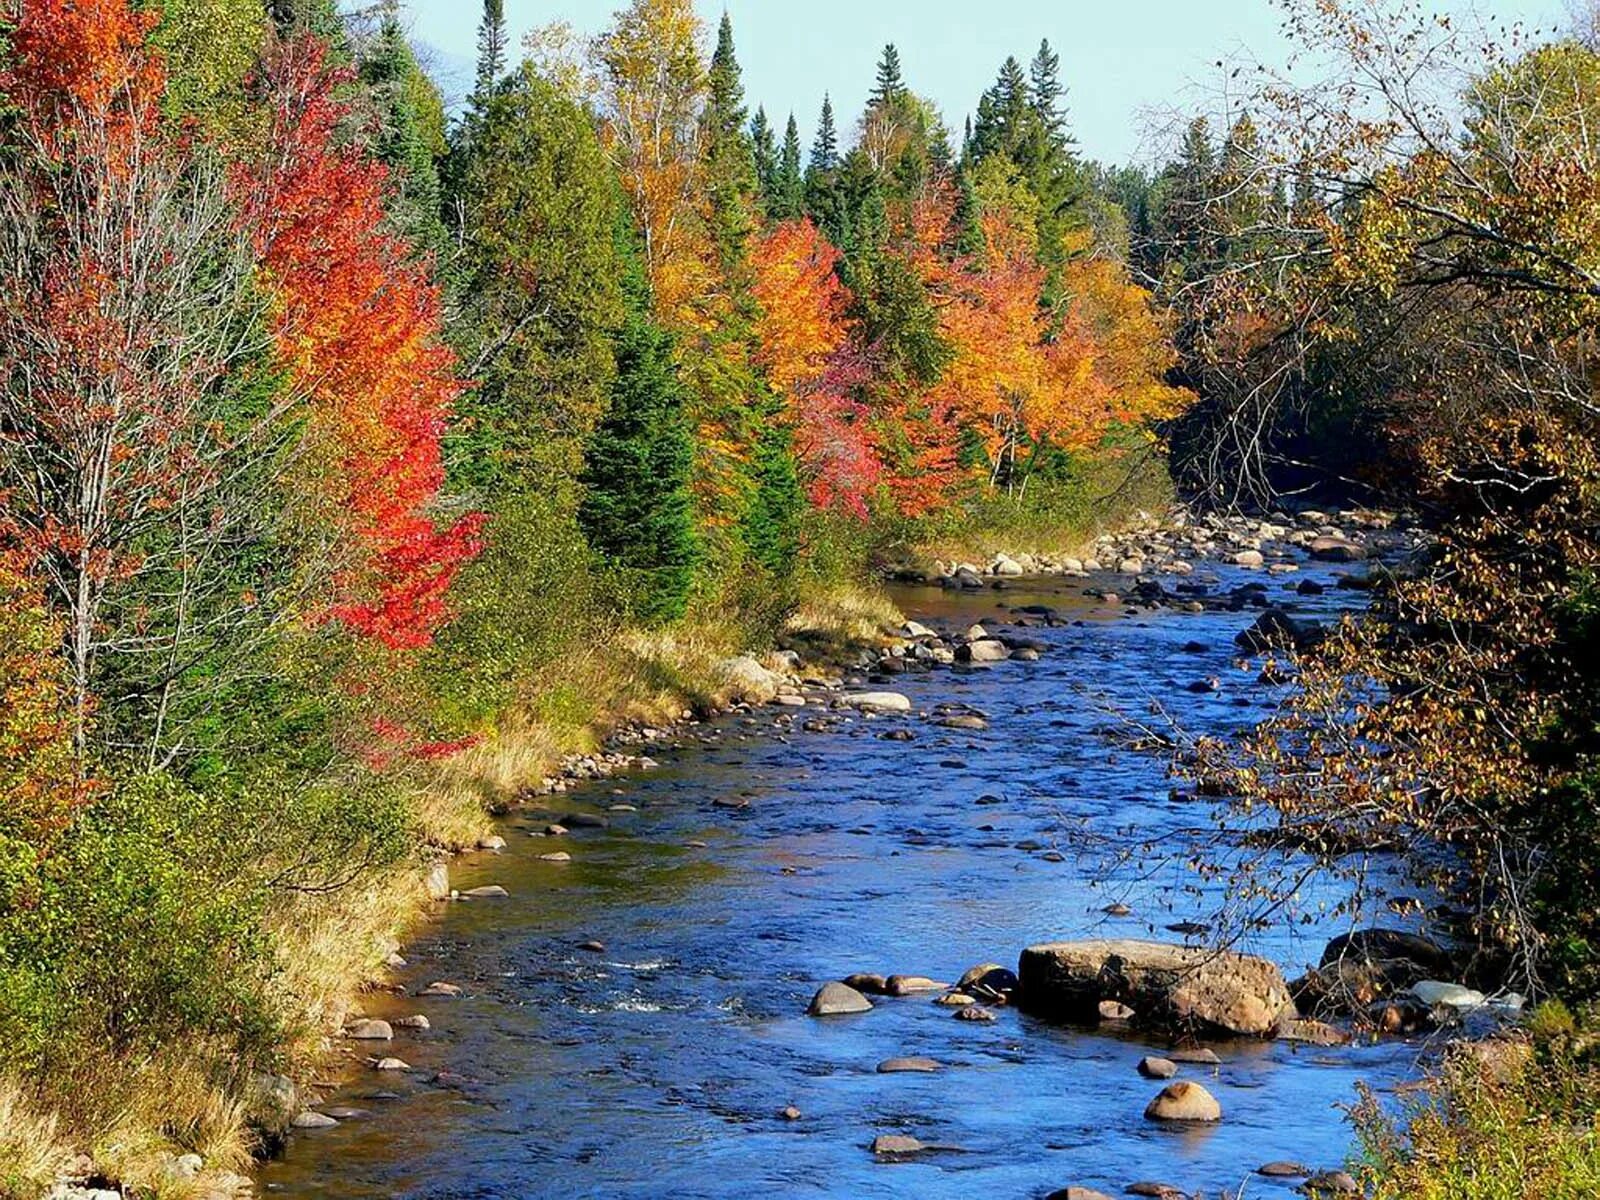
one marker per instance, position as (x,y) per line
(391,74)
(730,159)
(890,87)
(791,182)
(636,508)
(764,144)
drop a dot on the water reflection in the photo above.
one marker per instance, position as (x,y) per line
(660,1066)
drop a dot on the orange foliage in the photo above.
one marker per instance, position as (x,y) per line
(358,326)
(76,61)
(802,304)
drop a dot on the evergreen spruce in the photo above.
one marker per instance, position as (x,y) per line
(890,88)
(492,39)
(729,156)
(1046,92)
(391,73)
(825,146)
(772,523)
(636,508)
(791,183)
(765,147)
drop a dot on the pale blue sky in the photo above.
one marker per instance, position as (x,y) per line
(1123,61)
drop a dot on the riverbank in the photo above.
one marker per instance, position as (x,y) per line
(636,985)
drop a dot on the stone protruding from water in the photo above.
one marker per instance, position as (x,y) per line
(1188,988)
(837,999)
(1184,1101)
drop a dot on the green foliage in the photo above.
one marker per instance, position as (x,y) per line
(210,47)
(406,108)
(771,523)
(636,507)
(1492,1126)
(730,159)
(540,295)
(146,924)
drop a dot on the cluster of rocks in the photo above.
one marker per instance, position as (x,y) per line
(1175,543)
(181,1174)
(1179,992)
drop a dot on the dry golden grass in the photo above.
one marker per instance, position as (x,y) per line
(32,1153)
(135,1118)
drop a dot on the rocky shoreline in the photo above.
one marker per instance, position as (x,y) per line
(1137,985)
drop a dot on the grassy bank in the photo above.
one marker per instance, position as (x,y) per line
(136,1116)
(177,1064)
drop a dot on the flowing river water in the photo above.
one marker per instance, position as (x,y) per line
(661,1066)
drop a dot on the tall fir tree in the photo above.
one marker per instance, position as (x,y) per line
(636,508)
(771,525)
(791,182)
(764,144)
(1046,92)
(730,160)
(492,42)
(889,89)
(825,146)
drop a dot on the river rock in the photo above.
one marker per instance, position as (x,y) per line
(910,985)
(1331,1183)
(988,650)
(963,721)
(312,1120)
(1275,629)
(898,1066)
(974,1012)
(556,856)
(1312,1033)
(1336,549)
(493,842)
(391,1064)
(955,1000)
(1435,994)
(896,1145)
(838,999)
(914,630)
(492,891)
(441,989)
(1201,1057)
(415,1021)
(1184,1101)
(990,981)
(1152,1066)
(1360,968)
(1282,1170)
(1075,1192)
(438,881)
(1248,558)
(1003,565)
(365,1030)
(1183,987)
(879,702)
(1112,1010)
(867,983)
(1160,1191)
(743,678)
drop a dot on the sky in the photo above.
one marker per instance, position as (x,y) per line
(1126,63)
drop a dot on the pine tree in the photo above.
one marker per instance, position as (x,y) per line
(729,156)
(771,525)
(1005,116)
(636,508)
(825,146)
(765,147)
(491,49)
(1045,90)
(791,180)
(890,89)
(390,73)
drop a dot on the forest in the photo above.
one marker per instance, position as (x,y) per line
(361,454)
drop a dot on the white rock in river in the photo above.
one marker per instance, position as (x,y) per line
(916,629)
(879,701)
(838,999)
(1452,995)
(1184,1101)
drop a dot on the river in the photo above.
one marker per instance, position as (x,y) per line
(661,1066)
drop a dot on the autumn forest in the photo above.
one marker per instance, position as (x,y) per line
(365,456)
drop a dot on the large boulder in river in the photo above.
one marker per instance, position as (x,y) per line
(1189,988)
(743,678)
(838,999)
(1368,965)
(1337,549)
(1275,629)
(1184,1101)
(986,650)
(879,702)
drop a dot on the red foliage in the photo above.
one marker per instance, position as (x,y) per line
(358,325)
(806,350)
(73,61)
